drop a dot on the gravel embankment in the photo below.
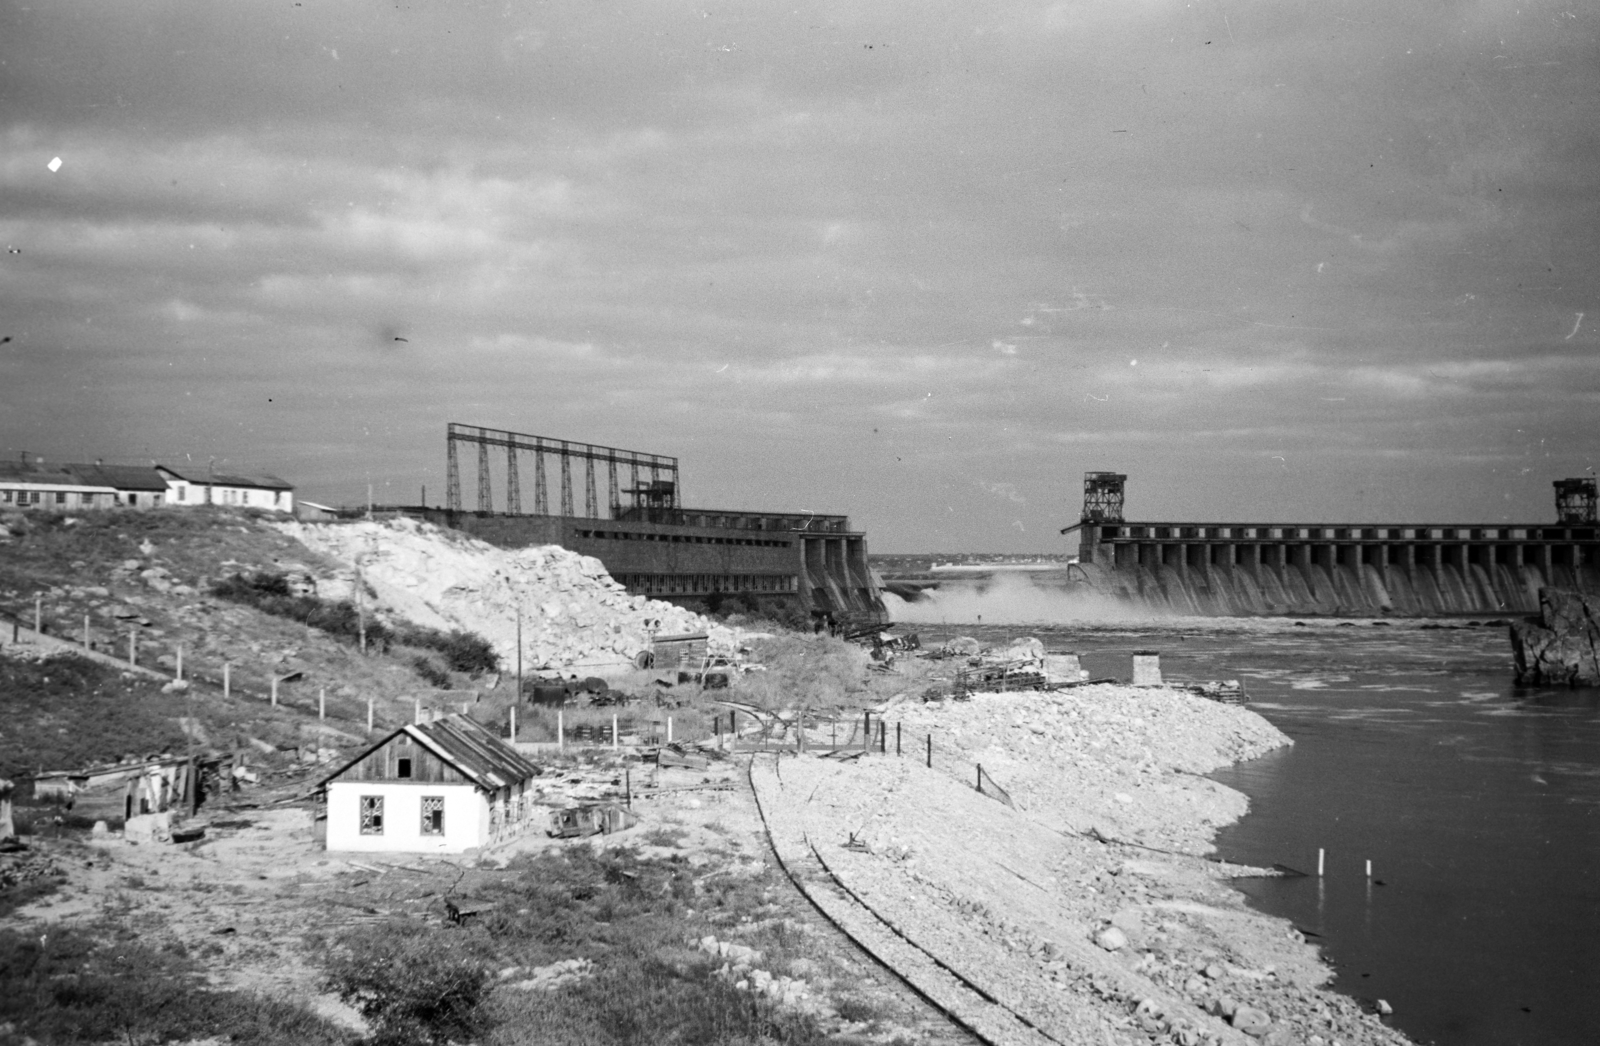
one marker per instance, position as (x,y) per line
(1085,940)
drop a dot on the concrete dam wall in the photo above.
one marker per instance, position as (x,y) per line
(1250,569)
(1354,591)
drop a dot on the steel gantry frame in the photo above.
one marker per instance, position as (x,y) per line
(663,472)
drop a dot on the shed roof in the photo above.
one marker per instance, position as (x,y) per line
(263,481)
(123,477)
(465,744)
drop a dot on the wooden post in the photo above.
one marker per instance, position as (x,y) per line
(179,674)
(866,731)
(897,738)
(369,715)
(322,703)
(616,739)
(930,751)
(561,731)
(627,786)
(979,785)
(133,649)
(274,691)
(227,679)
(38,613)
(86,632)
(513,722)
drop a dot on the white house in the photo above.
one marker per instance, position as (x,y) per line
(439,787)
(206,488)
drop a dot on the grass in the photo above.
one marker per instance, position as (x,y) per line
(634,919)
(99,983)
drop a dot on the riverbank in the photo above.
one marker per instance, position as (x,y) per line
(1089,908)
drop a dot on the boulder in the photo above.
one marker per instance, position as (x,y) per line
(1251,1021)
(1562,647)
(1111,939)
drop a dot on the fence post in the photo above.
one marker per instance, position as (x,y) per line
(322,703)
(616,738)
(227,679)
(669,730)
(513,723)
(897,738)
(274,691)
(980,777)
(179,676)
(133,651)
(369,715)
(38,613)
(86,632)
(866,731)
(561,731)
(930,751)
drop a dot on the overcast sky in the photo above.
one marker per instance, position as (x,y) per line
(923,263)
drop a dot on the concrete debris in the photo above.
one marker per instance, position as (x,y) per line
(573,613)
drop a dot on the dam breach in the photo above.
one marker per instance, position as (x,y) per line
(1343,569)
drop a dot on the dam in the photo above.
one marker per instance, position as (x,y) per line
(1347,569)
(649,542)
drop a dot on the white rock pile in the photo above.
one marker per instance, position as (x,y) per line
(574,616)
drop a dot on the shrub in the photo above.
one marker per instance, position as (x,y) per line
(463,651)
(432,673)
(413,990)
(269,593)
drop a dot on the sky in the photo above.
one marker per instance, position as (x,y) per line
(921,263)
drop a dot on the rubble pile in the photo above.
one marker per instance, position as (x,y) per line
(573,613)
(22,865)
(1119,760)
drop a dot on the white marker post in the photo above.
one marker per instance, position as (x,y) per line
(616,739)
(513,723)
(561,731)
(669,730)
(322,703)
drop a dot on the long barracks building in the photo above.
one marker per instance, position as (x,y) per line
(649,542)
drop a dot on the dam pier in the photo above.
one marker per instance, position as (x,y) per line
(1355,569)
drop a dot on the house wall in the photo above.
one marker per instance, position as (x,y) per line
(182,492)
(466,817)
(53,497)
(384,764)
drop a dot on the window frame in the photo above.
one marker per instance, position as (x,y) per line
(433,804)
(370,812)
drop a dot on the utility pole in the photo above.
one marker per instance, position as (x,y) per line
(361,606)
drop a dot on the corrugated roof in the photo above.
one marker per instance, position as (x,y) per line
(123,477)
(53,475)
(465,744)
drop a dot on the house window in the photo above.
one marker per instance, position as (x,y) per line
(61,497)
(403,768)
(5,496)
(372,815)
(133,499)
(183,493)
(433,815)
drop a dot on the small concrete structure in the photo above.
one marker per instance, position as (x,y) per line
(443,786)
(1146,668)
(1063,668)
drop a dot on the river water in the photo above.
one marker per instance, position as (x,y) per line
(1478,806)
